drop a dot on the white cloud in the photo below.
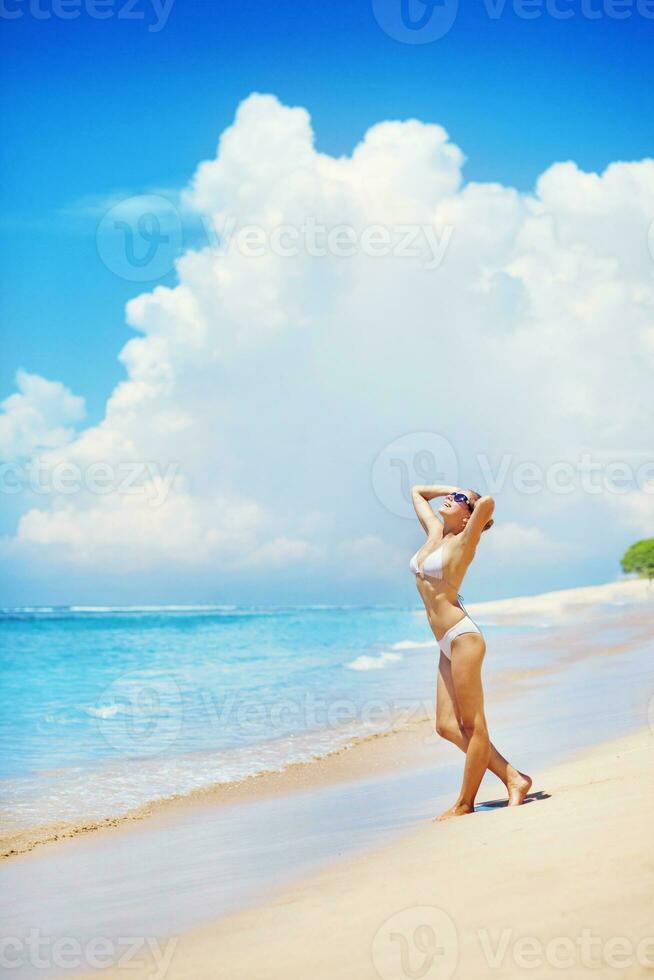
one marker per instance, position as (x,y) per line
(127,532)
(126,204)
(38,416)
(635,510)
(370,556)
(510,543)
(272,383)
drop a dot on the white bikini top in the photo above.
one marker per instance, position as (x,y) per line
(432,565)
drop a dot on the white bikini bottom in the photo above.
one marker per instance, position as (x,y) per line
(464,625)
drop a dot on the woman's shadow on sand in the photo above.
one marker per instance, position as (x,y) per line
(498,804)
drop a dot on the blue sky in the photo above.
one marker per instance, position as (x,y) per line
(94,109)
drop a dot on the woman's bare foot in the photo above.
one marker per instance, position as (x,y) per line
(518,786)
(458,810)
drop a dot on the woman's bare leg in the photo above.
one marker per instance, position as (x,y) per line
(448,726)
(449,721)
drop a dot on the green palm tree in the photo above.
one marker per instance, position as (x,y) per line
(639,558)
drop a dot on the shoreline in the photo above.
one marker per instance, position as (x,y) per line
(564,602)
(380,752)
(343,845)
(406,744)
(500,888)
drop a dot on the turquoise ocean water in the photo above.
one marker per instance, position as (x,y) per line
(104,709)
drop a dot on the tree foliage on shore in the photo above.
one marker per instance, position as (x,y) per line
(639,558)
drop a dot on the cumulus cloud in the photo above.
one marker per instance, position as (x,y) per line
(370,556)
(40,415)
(271,381)
(511,543)
(635,510)
(125,530)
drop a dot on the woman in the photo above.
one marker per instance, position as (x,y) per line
(440,566)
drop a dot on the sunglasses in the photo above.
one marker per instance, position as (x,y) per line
(461,498)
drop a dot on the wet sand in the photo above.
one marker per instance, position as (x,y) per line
(562,886)
(569,637)
(207,858)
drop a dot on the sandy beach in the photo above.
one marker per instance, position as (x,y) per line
(410,740)
(564,603)
(335,868)
(562,886)
(327,621)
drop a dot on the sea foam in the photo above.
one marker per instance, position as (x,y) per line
(413,644)
(366,662)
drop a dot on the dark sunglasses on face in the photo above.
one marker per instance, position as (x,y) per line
(461,498)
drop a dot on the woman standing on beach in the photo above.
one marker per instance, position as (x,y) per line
(440,567)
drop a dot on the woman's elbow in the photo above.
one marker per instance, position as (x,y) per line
(486,506)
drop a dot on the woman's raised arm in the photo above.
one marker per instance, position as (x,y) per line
(480,519)
(421,495)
